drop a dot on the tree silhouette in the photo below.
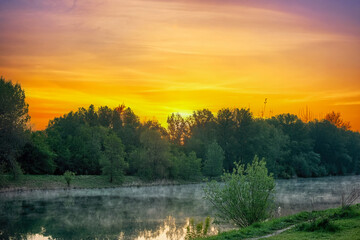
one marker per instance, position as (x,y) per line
(13,124)
(335,118)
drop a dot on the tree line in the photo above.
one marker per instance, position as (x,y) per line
(113,141)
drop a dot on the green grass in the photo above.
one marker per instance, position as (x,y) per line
(327,224)
(348,229)
(30,182)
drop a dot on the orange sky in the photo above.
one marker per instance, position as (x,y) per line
(160,57)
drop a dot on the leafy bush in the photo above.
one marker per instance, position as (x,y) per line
(246,196)
(322,224)
(348,212)
(68,175)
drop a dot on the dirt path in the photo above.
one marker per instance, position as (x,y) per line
(272,234)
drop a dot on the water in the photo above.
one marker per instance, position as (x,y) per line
(158,212)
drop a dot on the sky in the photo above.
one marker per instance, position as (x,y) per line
(164,56)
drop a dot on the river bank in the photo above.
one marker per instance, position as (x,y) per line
(57,182)
(334,224)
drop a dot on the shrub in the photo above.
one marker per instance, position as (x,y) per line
(322,224)
(246,196)
(68,175)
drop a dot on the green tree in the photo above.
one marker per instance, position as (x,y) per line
(37,157)
(225,129)
(213,165)
(112,160)
(246,196)
(154,156)
(301,160)
(270,143)
(130,131)
(13,124)
(105,115)
(202,126)
(154,125)
(187,167)
(331,143)
(69,176)
(76,143)
(178,129)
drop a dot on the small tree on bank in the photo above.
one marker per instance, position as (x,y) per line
(246,196)
(69,175)
(112,160)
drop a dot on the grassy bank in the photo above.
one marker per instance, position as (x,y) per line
(32,182)
(327,224)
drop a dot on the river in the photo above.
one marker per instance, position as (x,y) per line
(156,212)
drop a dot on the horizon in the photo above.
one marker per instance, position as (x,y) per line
(162,57)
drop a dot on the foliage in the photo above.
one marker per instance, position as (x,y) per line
(154,156)
(69,175)
(37,157)
(213,164)
(75,142)
(335,119)
(246,195)
(348,226)
(322,224)
(13,124)
(112,160)
(178,129)
(332,144)
(196,230)
(186,167)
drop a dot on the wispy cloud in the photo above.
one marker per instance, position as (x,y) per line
(164,56)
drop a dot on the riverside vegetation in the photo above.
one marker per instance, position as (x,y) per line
(339,223)
(113,142)
(246,197)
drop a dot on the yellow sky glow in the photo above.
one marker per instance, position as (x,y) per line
(160,57)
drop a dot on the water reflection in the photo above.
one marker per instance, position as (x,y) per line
(169,230)
(141,213)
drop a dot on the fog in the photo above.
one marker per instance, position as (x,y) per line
(156,212)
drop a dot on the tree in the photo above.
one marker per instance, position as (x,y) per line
(185,166)
(69,175)
(213,164)
(154,156)
(202,126)
(270,143)
(335,119)
(130,131)
(37,157)
(105,115)
(154,125)
(301,159)
(178,129)
(13,124)
(244,131)
(330,142)
(112,160)
(246,196)
(225,137)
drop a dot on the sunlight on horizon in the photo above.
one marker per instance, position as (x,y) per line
(160,57)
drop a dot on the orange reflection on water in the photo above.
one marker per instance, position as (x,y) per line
(170,231)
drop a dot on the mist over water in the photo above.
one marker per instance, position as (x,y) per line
(156,212)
